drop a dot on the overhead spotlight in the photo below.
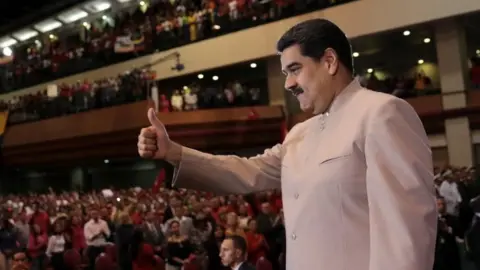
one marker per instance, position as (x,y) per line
(7,51)
(370,70)
(355,54)
(253,65)
(106,161)
(216,27)
(420,61)
(406,33)
(478,52)
(200,76)
(426,40)
(215,78)
(142,3)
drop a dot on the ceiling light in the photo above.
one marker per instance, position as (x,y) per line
(355,54)
(370,70)
(420,61)
(104,17)
(106,161)
(142,3)
(200,76)
(215,78)
(426,40)
(7,51)
(51,36)
(253,65)
(47,25)
(97,6)
(7,42)
(478,52)
(406,33)
(25,34)
(72,15)
(216,27)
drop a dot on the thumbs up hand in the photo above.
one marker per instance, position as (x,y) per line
(153,141)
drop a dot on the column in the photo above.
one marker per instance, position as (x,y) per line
(77,179)
(276,80)
(453,68)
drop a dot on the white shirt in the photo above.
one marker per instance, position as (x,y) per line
(56,244)
(237,266)
(449,191)
(92,229)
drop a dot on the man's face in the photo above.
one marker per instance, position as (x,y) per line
(228,253)
(314,77)
(20,261)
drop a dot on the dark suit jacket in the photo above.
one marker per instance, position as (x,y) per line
(152,238)
(246,266)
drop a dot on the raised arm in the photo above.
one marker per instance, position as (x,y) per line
(225,173)
(215,173)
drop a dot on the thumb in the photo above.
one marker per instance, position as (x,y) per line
(154,121)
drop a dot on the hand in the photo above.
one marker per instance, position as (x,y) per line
(153,141)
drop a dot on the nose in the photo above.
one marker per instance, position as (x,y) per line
(290,83)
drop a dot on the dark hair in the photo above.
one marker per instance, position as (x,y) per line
(314,37)
(238,242)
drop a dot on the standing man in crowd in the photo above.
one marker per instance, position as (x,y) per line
(96,233)
(356,179)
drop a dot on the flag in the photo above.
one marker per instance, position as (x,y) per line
(6,59)
(159,181)
(3,125)
(129,43)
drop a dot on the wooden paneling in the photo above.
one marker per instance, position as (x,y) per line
(112,133)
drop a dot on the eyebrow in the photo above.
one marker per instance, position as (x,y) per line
(290,66)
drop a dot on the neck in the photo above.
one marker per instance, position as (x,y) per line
(338,84)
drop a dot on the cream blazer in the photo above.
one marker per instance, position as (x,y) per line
(357,185)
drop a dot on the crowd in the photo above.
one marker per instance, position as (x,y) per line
(143,228)
(161,26)
(129,87)
(138,229)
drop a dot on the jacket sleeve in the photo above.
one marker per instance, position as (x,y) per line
(400,189)
(224,174)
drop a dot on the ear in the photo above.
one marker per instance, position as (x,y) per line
(331,61)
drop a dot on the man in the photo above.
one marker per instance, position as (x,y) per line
(233,252)
(20,261)
(447,255)
(357,178)
(96,233)
(152,232)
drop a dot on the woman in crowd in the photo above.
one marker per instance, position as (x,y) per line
(179,248)
(57,246)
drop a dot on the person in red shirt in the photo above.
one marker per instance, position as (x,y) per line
(40,217)
(77,234)
(37,245)
(257,246)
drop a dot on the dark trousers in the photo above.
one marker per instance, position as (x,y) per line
(92,254)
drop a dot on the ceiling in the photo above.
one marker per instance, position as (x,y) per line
(15,15)
(393,50)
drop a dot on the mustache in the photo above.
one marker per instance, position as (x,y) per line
(296,90)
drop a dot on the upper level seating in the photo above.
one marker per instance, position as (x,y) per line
(164,25)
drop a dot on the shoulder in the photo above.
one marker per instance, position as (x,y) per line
(381,107)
